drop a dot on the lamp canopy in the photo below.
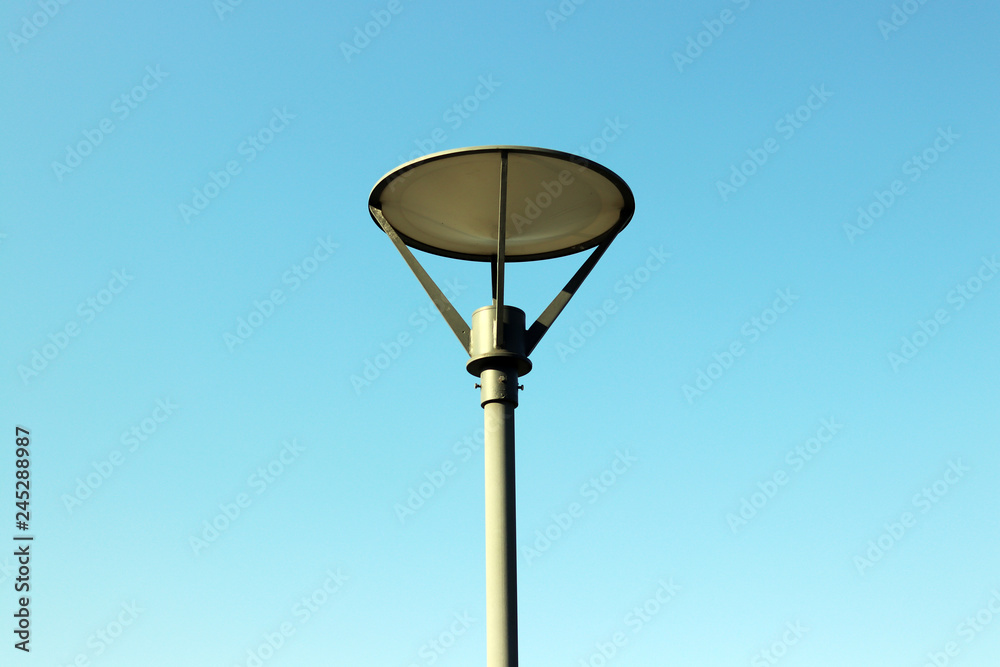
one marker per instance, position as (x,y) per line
(448,203)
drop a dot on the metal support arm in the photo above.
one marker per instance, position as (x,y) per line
(549,315)
(451,316)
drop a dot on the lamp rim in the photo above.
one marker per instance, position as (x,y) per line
(625,215)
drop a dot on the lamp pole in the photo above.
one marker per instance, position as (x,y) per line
(444,204)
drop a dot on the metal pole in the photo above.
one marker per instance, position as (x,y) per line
(501,533)
(499,369)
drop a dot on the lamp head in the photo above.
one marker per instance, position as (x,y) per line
(557,204)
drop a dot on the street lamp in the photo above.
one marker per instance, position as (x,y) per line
(501,204)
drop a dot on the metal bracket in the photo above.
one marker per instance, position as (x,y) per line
(451,316)
(501,252)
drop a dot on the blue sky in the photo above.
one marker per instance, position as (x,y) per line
(778,446)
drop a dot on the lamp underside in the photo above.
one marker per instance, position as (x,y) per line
(557,204)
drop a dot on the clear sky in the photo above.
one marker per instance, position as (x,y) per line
(764,431)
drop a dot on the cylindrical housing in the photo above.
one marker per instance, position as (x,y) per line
(485,353)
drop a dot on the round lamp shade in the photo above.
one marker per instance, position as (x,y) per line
(448,203)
